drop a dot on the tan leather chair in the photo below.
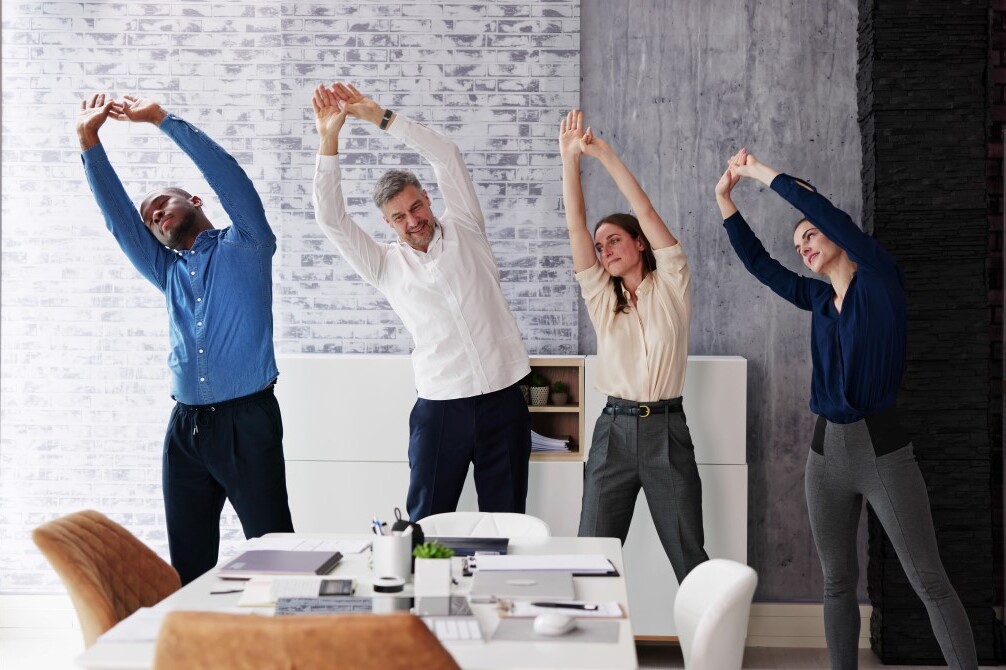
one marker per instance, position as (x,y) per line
(216,641)
(108,572)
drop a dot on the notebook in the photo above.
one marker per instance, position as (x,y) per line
(523,584)
(277,562)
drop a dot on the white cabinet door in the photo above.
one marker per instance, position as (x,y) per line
(342,497)
(715,402)
(553,494)
(651,581)
(345,408)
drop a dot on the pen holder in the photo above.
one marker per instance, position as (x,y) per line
(433,577)
(413,530)
(392,556)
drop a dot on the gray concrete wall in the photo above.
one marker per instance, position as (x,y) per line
(676,86)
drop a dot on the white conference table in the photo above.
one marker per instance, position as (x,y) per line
(539,653)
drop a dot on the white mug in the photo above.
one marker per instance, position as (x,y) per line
(393,556)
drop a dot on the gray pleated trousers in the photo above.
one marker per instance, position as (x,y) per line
(655,453)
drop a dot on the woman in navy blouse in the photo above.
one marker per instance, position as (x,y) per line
(859,449)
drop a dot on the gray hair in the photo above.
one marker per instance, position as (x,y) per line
(392,183)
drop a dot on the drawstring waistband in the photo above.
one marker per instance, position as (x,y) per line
(203,413)
(202,417)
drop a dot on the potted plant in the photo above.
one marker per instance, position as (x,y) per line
(539,389)
(525,385)
(560,392)
(433,572)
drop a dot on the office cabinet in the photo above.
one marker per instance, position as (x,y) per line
(346,442)
(560,421)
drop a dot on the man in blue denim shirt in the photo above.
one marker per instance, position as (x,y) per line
(225,435)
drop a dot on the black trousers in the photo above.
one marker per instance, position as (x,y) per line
(230,450)
(491,431)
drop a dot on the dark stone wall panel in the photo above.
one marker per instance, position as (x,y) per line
(923,112)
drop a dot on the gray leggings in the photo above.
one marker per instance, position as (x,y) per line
(843,468)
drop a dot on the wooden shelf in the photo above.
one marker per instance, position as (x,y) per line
(560,421)
(554,409)
(557,457)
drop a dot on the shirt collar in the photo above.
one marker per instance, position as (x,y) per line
(202,237)
(436,242)
(644,287)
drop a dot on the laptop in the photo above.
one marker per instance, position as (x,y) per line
(279,562)
(519,584)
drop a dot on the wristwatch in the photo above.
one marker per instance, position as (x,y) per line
(387,117)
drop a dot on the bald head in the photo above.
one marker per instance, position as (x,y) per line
(173,216)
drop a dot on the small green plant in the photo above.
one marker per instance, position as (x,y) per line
(432,550)
(537,379)
(560,387)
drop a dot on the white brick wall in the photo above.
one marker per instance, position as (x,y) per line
(83,391)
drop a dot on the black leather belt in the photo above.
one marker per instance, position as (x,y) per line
(642,411)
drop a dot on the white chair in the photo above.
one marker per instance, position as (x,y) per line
(711,614)
(484,524)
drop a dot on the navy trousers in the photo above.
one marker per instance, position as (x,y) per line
(491,431)
(231,450)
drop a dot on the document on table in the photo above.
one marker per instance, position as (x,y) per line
(578,564)
(305,544)
(257,593)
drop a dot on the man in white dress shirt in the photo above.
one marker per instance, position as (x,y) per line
(442,281)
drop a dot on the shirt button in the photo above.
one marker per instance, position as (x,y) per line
(200,351)
(193,273)
(191,252)
(199,323)
(202,379)
(199,299)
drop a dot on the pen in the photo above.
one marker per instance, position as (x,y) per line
(569,606)
(220,593)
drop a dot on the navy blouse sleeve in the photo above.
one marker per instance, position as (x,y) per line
(837,226)
(787,284)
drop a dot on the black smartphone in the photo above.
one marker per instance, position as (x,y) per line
(336,587)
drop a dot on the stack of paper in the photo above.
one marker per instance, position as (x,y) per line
(578,564)
(542,443)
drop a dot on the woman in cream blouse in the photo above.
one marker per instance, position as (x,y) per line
(637,286)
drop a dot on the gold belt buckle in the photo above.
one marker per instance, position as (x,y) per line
(647,408)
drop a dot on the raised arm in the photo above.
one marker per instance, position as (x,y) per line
(232,186)
(451,172)
(148,256)
(653,226)
(836,225)
(362,253)
(570,148)
(784,282)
